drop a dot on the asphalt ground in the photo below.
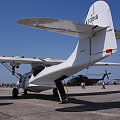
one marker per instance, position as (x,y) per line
(92,103)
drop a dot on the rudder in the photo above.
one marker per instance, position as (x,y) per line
(100,14)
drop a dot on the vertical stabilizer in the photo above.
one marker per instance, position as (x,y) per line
(100,14)
(101,44)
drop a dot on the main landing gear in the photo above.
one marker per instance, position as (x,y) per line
(15,93)
(55,92)
(59,90)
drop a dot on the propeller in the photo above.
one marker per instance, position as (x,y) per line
(106,73)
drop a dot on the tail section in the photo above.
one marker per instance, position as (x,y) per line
(100,14)
(95,44)
(101,44)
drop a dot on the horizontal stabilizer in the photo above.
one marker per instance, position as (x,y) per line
(61,26)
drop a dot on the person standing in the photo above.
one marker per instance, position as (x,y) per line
(103,85)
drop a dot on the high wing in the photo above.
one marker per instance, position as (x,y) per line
(20,60)
(46,61)
(61,26)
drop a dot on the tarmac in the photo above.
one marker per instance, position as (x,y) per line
(92,103)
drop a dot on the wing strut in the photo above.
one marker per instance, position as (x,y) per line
(12,70)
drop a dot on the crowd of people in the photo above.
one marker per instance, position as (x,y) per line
(7,85)
(103,84)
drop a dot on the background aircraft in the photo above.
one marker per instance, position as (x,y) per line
(76,81)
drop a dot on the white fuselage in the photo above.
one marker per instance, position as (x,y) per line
(89,50)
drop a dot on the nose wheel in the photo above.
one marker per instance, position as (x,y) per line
(15,93)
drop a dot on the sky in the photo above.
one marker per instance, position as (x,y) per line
(16,40)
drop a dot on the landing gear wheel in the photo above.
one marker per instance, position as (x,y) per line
(25,92)
(15,93)
(55,92)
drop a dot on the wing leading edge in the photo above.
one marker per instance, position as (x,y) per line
(46,61)
(20,60)
(63,26)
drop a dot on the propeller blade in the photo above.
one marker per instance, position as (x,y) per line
(107,74)
(107,77)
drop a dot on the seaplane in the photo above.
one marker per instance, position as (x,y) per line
(96,41)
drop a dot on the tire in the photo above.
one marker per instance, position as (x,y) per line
(15,93)
(25,92)
(55,92)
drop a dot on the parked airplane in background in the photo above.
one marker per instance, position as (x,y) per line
(97,41)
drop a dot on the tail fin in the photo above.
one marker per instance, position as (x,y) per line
(100,14)
(92,49)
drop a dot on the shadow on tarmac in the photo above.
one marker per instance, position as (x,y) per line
(51,97)
(2,104)
(85,106)
(32,96)
(94,93)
